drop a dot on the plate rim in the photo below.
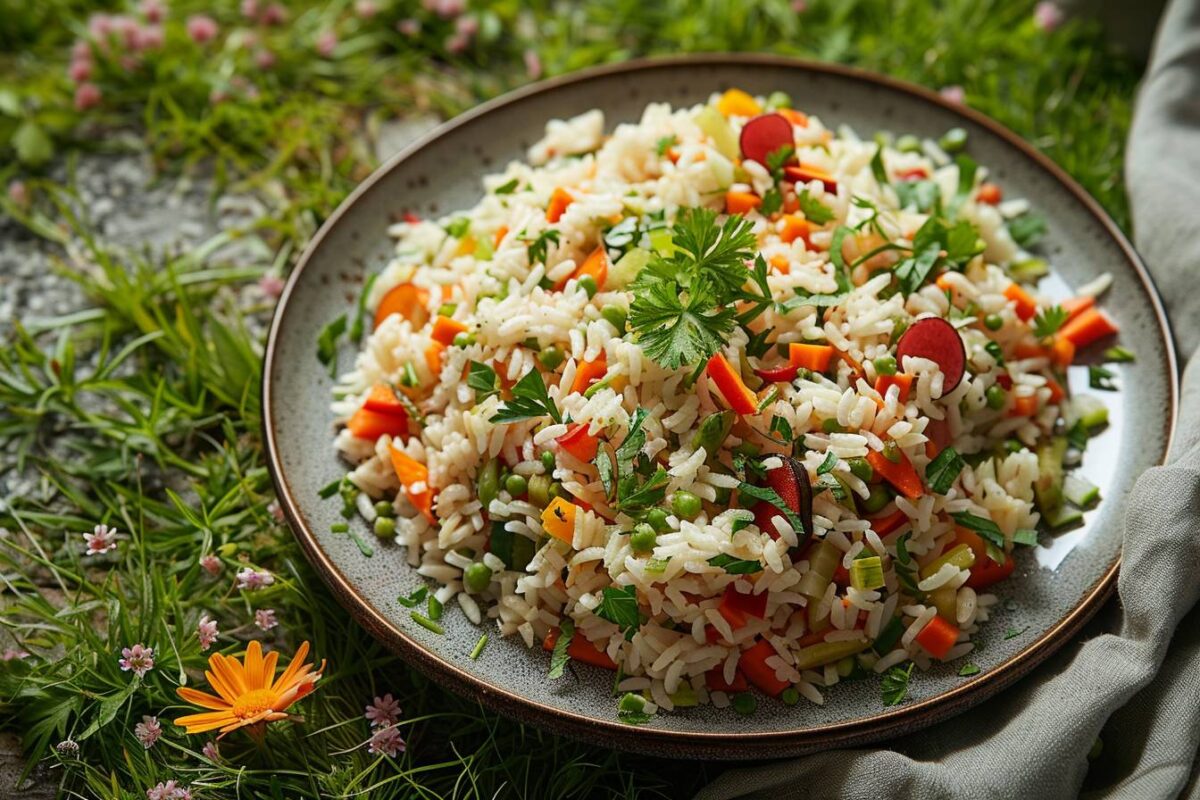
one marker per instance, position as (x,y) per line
(704,744)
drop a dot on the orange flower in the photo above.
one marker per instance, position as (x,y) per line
(249,692)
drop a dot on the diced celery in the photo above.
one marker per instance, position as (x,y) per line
(709,120)
(961,556)
(1080,491)
(1048,489)
(1028,270)
(1095,417)
(627,268)
(866,573)
(827,652)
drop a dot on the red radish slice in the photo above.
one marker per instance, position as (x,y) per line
(764,135)
(936,339)
(791,483)
(783,374)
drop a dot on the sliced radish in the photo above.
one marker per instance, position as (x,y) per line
(791,483)
(936,339)
(764,135)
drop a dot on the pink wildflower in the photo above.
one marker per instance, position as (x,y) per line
(148,731)
(273,508)
(102,539)
(100,26)
(202,28)
(206,631)
(264,59)
(138,658)
(466,26)
(80,70)
(13,654)
(445,8)
(81,50)
(150,37)
(799,6)
(168,791)
(409,27)
(383,711)
(18,192)
(326,42)
(456,43)
(211,564)
(250,9)
(386,741)
(251,579)
(153,10)
(366,8)
(210,751)
(264,618)
(274,14)
(87,95)
(955,93)
(533,64)
(1047,16)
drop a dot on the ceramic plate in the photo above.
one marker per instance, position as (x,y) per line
(1055,589)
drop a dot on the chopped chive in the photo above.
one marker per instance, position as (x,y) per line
(428,624)
(968,670)
(434,607)
(482,643)
(339,527)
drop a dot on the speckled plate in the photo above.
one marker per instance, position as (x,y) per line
(1055,589)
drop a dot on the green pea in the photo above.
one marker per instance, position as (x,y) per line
(463,339)
(832,426)
(744,703)
(953,140)
(385,509)
(548,460)
(556,490)
(516,485)
(908,144)
(447,309)
(878,498)
(551,357)
(643,538)
(477,576)
(993,322)
(861,469)
(790,696)
(656,518)
(588,284)
(712,431)
(779,99)
(996,397)
(385,526)
(487,485)
(885,365)
(686,505)
(539,490)
(615,316)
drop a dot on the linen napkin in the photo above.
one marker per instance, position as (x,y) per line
(1132,678)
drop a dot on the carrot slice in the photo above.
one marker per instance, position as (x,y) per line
(989,193)
(900,380)
(382,398)
(1028,348)
(433,357)
(1024,406)
(1057,392)
(730,385)
(580,649)
(1062,351)
(795,227)
(754,664)
(596,265)
(781,264)
(368,424)
(1077,305)
(736,606)
(501,232)
(736,103)
(885,525)
(414,477)
(558,519)
(985,571)
(1026,306)
(579,443)
(445,329)
(1091,324)
(938,637)
(587,373)
(900,474)
(797,118)
(741,202)
(815,357)
(559,201)
(406,300)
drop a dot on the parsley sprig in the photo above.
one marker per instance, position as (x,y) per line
(530,400)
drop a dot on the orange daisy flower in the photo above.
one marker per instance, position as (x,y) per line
(250,695)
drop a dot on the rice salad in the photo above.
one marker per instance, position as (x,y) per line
(722,400)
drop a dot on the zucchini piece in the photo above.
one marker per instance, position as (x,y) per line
(1048,490)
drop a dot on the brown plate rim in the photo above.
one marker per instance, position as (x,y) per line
(700,744)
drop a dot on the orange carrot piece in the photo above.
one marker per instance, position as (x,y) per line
(580,649)
(587,373)
(558,519)
(938,637)
(382,399)
(368,424)
(885,525)
(1075,306)
(406,300)
(795,227)
(798,118)
(900,474)
(900,380)
(730,385)
(1028,348)
(414,477)
(781,264)
(1062,351)
(943,283)
(1026,306)
(595,265)
(433,357)
(445,329)
(741,202)
(753,663)
(989,193)
(1090,325)
(1024,406)
(810,356)
(501,232)
(1057,392)
(736,103)
(559,201)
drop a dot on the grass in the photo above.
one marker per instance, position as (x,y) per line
(142,410)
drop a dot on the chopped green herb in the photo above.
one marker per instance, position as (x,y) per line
(814,210)
(735,566)
(1048,321)
(968,669)
(771,496)
(482,379)
(878,169)
(1118,354)
(1101,378)
(339,527)
(944,470)
(664,144)
(426,623)
(415,598)
(330,489)
(831,461)
(1026,536)
(782,427)
(993,349)
(559,658)
(631,709)
(989,531)
(530,400)
(620,607)
(327,342)
(1027,229)
(360,313)
(1013,633)
(478,649)
(434,607)
(507,188)
(894,686)
(539,246)
(459,227)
